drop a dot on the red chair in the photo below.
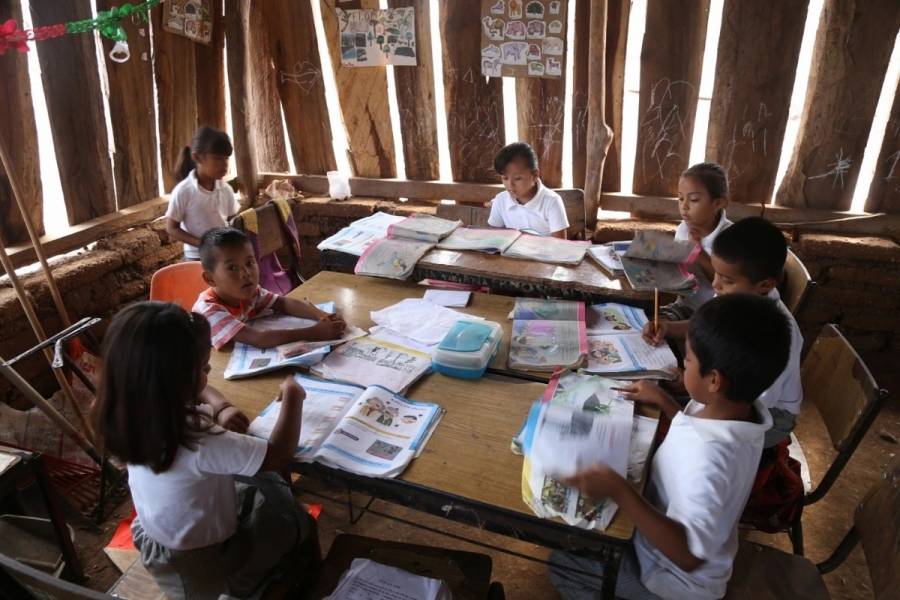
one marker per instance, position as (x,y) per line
(180,283)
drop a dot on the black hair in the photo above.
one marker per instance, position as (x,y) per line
(153,357)
(711,176)
(515,151)
(756,246)
(746,338)
(219,237)
(206,140)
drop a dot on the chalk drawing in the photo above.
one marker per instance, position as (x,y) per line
(893,159)
(663,126)
(837,169)
(304,75)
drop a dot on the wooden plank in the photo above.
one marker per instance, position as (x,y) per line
(362,93)
(474,104)
(852,50)
(671,59)
(271,150)
(415,100)
(884,193)
(582,42)
(237,18)
(757,59)
(295,54)
(618,13)
(541,106)
(72,89)
(599,135)
(19,133)
(210,61)
(174,66)
(132,115)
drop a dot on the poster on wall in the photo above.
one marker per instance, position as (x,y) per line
(523,38)
(374,38)
(191,18)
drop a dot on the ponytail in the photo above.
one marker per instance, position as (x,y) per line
(185,164)
(206,140)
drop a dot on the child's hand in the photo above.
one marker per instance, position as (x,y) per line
(597,482)
(646,391)
(337,318)
(657,336)
(326,329)
(291,390)
(232,419)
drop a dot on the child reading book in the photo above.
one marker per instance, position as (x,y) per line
(703,471)
(526,204)
(201,532)
(235,296)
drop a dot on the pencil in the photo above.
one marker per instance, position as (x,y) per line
(619,389)
(655,311)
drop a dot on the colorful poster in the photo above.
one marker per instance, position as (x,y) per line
(191,18)
(374,38)
(523,38)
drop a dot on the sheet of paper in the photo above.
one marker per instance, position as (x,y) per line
(419,319)
(7,460)
(383,334)
(606,257)
(367,361)
(484,240)
(375,38)
(351,240)
(369,580)
(448,298)
(377,222)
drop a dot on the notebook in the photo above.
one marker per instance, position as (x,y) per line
(655,260)
(394,259)
(617,349)
(547,249)
(423,228)
(547,334)
(492,241)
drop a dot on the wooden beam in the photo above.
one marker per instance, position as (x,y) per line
(474,103)
(541,108)
(237,23)
(81,235)
(850,57)
(599,135)
(210,61)
(132,115)
(294,50)
(362,93)
(415,100)
(582,42)
(618,13)
(671,59)
(884,193)
(72,89)
(271,150)
(19,132)
(757,59)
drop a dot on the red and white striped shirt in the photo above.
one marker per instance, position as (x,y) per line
(226,321)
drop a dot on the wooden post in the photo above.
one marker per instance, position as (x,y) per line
(582,42)
(757,59)
(71,80)
(884,193)
(618,13)
(671,59)
(237,19)
(271,150)
(599,135)
(541,108)
(474,103)
(415,100)
(17,121)
(210,61)
(851,54)
(295,54)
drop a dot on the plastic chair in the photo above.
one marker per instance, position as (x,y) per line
(180,283)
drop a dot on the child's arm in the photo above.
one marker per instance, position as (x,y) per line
(326,329)
(225,414)
(667,535)
(561,234)
(173,228)
(649,392)
(667,329)
(299,308)
(705,263)
(286,433)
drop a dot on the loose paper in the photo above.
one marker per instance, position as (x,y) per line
(448,298)
(418,319)
(374,38)
(523,38)
(369,580)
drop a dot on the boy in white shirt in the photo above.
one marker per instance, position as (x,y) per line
(702,474)
(526,204)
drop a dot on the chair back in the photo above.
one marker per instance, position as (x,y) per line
(180,283)
(877,521)
(796,284)
(271,234)
(38,584)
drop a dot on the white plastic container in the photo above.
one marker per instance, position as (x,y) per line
(467,349)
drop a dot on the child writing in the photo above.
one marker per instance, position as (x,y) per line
(749,257)
(201,200)
(702,473)
(526,204)
(235,296)
(199,532)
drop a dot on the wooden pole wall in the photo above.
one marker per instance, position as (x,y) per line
(599,135)
(851,54)
(237,19)
(582,42)
(884,193)
(210,64)
(541,110)
(618,13)
(19,132)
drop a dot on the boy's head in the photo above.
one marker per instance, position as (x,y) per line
(229,264)
(748,257)
(702,193)
(737,345)
(517,165)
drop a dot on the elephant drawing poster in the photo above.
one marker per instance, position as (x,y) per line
(523,38)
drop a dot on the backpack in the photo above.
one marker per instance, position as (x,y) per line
(272,276)
(776,499)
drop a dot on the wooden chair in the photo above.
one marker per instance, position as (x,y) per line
(21,581)
(838,383)
(271,236)
(796,284)
(763,573)
(180,283)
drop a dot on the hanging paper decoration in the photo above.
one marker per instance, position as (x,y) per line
(523,38)
(374,38)
(191,18)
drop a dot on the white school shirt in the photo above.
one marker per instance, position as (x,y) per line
(193,504)
(701,476)
(199,209)
(545,213)
(705,291)
(786,392)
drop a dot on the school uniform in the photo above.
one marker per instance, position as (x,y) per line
(784,396)
(544,214)
(199,209)
(226,321)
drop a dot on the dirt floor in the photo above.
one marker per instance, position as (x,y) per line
(825,522)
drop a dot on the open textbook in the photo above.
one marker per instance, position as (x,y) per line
(491,241)
(365,430)
(655,260)
(547,249)
(609,256)
(547,334)
(423,228)
(580,421)
(394,259)
(360,234)
(371,361)
(616,347)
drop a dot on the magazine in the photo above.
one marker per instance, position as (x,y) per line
(547,249)
(423,228)
(362,233)
(366,430)
(492,241)
(372,361)
(656,260)
(609,256)
(547,334)
(394,259)
(616,347)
